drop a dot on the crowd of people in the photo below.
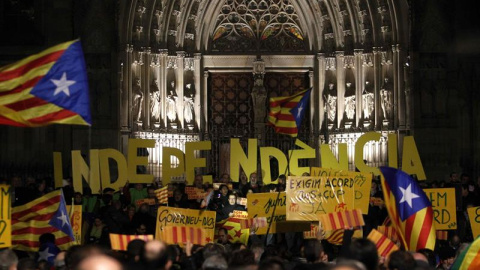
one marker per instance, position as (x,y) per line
(117,211)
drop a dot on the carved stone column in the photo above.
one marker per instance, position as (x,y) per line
(377,81)
(340,59)
(163,86)
(146,87)
(205,101)
(198,79)
(408,105)
(321,87)
(358,85)
(396,84)
(313,97)
(125,97)
(180,85)
(259,97)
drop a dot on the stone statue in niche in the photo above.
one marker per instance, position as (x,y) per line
(188,103)
(155,101)
(330,98)
(259,96)
(350,101)
(386,99)
(137,94)
(368,101)
(171,103)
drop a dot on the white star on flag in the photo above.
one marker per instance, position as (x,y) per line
(408,195)
(300,109)
(44,255)
(62,85)
(63,218)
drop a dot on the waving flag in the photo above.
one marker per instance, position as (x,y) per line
(409,209)
(50,87)
(162,195)
(286,113)
(121,241)
(384,245)
(47,214)
(469,259)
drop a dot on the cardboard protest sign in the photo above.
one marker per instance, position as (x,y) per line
(444,207)
(262,204)
(240,214)
(148,201)
(362,183)
(310,196)
(183,220)
(5,217)
(315,232)
(474,217)
(194,193)
(76,222)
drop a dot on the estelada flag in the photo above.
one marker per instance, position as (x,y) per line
(409,209)
(50,87)
(286,113)
(385,246)
(47,214)
(120,241)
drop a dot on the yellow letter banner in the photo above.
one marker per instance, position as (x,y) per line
(5,217)
(120,241)
(262,204)
(362,183)
(308,196)
(177,225)
(444,207)
(474,217)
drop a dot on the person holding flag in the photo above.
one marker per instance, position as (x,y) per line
(409,209)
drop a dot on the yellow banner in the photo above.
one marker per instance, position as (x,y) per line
(444,207)
(262,204)
(5,217)
(76,222)
(178,217)
(474,217)
(362,183)
(310,196)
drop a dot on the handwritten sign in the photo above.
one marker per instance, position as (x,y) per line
(310,196)
(76,222)
(474,217)
(194,193)
(216,186)
(5,217)
(262,204)
(444,207)
(148,201)
(185,218)
(362,183)
(240,214)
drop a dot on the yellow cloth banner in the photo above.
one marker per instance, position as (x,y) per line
(76,222)
(5,217)
(362,183)
(444,207)
(178,217)
(262,204)
(310,196)
(474,217)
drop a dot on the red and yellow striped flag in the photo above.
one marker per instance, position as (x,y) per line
(342,220)
(50,87)
(120,241)
(335,237)
(442,235)
(469,259)
(314,232)
(258,222)
(181,235)
(389,232)
(162,195)
(384,245)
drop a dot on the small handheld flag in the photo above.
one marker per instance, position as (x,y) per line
(286,113)
(409,209)
(50,87)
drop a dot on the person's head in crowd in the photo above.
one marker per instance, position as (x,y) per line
(177,195)
(87,192)
(420,260)
(400,260)
(464,190)
(107,199)
(455,241)
(348,265)
(59,262)
(198,181)
(108,191)
(461,248)
(465,178)
(253,179)
(215,262)
(374,188)
(237,246)
(117,204)
(135,250)
(76,254)
(222,236)
(98,222)
(143,208)
(272,263)
(78,198)
(46,238)
(26,264)
(269,252)
(430,255)
(151,192)
(454,177)
(99,262)
(313,251)
(282,179)
(243,178)
(43,265)
(8,259)
(257,249)
(223,189)
(241,258)
(305,174)
(139,186)
(225,178)
(364,251)
(174,252)
(154,250)
(131,211)
(446,255)
(232,199)
(141,229)
(211,249)
(41,185)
